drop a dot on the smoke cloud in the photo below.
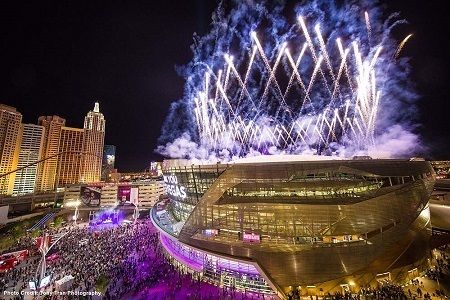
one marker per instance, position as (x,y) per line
(242,101)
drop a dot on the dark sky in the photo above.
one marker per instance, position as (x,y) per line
(61,57)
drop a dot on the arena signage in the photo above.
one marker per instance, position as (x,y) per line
(251,237)
(211,232)
(173,188)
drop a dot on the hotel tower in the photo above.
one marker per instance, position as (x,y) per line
(94,138)
(10,120)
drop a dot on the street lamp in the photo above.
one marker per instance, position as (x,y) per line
(136,210)
(47,243)
(75,204)
(351,286)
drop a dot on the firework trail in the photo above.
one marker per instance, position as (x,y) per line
(369,28)
(245,93)
(402,44)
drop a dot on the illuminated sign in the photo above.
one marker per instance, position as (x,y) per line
(173,188)
(110,159)
(90,195)
(123,194)
(156,168)
(211,232)
(251,237)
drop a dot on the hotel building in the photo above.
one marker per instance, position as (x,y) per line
(93,141)
(30,153)
(70,147)
(48,169)
(10,121)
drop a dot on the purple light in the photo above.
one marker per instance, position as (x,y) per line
(106,218)
(193,264)
(252,237)
(197,262)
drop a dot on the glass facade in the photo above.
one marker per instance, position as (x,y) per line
(215,269)
(332,218)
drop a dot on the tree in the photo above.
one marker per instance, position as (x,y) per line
(58,222)
(17,231)
(35,233)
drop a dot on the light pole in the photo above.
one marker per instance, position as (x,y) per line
(22,177)
(58,171)
(136,210)
(75,204)
(43,248)
(47,243)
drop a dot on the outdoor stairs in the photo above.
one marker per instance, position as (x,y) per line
(39,224)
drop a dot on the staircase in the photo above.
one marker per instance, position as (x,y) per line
(40,224)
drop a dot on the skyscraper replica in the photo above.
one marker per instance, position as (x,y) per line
(94,137)
(10,120)
(30,152)
(109,157)
(49,155)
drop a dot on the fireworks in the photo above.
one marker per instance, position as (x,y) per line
(229,116)
(402,44)
(258,84)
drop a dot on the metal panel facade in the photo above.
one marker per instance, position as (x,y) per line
(316,222)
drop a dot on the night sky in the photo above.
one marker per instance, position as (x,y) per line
(59,58)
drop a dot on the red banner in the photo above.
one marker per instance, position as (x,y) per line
(10,260)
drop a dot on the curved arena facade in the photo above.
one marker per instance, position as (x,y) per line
(271,227)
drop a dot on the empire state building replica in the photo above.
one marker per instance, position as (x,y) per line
(93,142)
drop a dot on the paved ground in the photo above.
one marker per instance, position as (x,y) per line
(188,290)
(176,286)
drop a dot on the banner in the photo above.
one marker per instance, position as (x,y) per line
(10,260)
(251,237)
(124,194)
(90,195)
(134,196)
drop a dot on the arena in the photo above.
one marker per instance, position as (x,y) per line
(271,226)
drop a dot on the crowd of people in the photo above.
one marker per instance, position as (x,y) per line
(17,278)
(87,254)
(142,266)
(148,273)
(134,265)
(84,253)
(383,291)
(24,242)
(128,256)
(442,266)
